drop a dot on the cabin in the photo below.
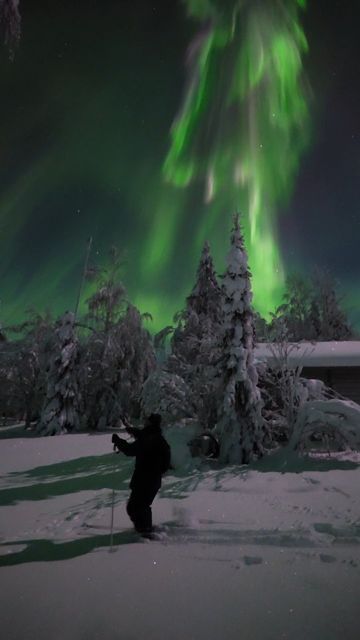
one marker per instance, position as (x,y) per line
(337,364)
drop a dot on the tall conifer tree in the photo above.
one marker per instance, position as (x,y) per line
(195,344)
(61,410)
(240,426)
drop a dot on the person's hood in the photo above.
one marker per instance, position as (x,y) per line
(152,429)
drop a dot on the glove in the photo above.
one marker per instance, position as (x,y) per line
(114,439)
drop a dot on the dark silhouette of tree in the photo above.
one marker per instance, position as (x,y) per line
(23,364)
(118,354)
(10,24)
(196,341)
(311,310)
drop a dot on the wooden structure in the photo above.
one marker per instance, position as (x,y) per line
(335,363)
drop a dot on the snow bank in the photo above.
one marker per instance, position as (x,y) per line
(338,419)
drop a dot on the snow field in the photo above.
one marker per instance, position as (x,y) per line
(245,554)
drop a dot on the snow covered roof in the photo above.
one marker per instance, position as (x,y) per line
(317,354)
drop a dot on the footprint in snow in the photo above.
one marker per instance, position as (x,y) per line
(248,560)
(326,558)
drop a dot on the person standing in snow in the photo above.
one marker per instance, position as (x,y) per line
(153,459)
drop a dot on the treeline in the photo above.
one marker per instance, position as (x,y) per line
(311,310)
(71,373)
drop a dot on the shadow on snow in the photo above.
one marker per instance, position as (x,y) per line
(49,551)
(83,474)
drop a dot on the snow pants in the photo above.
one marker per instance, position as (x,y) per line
(139,505)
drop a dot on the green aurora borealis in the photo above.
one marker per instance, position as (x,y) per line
(243,124)
(86,149)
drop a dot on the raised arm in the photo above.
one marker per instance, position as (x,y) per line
(134,432)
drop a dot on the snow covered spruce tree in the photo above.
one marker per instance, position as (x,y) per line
(205,297)
(26,363)
(241,427)
(196,341)
(183,386)
(61,408)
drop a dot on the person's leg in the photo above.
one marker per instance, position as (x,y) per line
(132,507)
(139,506)
(146,518)
(149,497)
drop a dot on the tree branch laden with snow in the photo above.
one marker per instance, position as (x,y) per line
(337,422)
(241,427)
(61,409)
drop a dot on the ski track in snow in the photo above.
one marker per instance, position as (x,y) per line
(56,509)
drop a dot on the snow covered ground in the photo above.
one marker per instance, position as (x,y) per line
(247,554)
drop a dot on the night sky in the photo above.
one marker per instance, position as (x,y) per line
(85,116)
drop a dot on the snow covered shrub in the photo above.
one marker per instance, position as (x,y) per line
(281,389)
(285,393)
(333,423)
(178,436)
(167,393)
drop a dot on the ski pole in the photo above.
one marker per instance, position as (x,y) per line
(112,519)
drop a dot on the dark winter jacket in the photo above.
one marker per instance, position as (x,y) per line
(152,452)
